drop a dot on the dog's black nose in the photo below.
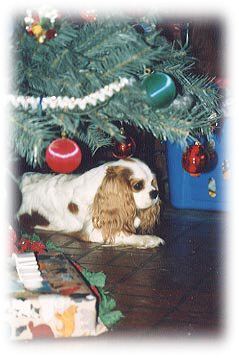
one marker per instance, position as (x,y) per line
(153,194)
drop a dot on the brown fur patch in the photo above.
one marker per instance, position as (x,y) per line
(114,208)
(115,171)
(28,222)
(73,208)
(149,218)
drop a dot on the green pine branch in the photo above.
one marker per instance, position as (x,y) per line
(84,58)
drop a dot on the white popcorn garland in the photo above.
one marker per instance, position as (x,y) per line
(70,103)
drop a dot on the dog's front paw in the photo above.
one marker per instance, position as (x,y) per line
(149,241)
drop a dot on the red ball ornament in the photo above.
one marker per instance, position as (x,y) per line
(124,150)
(50,34)
(63,155)
(195,159)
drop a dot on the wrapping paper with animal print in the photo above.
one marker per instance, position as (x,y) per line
(64,305)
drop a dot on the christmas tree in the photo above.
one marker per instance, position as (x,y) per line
(87,77)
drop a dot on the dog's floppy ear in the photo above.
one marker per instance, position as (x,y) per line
(114,208)
(149,218)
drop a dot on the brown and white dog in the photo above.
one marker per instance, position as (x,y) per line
(116,203)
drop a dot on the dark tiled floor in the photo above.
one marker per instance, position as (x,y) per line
(175,289)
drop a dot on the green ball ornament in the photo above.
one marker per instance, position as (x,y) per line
(160,89)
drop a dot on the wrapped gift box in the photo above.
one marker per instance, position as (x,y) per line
(54,302)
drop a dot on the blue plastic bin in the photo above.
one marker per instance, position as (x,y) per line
(194,192)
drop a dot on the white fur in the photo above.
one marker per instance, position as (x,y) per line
(50,194)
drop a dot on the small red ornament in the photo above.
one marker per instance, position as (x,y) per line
(63,155)
(125,149)
(41,25)
(38,247)
(29,30)
(195,159)
(25,245)
(50,34)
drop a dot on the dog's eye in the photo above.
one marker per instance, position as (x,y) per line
(138,186)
